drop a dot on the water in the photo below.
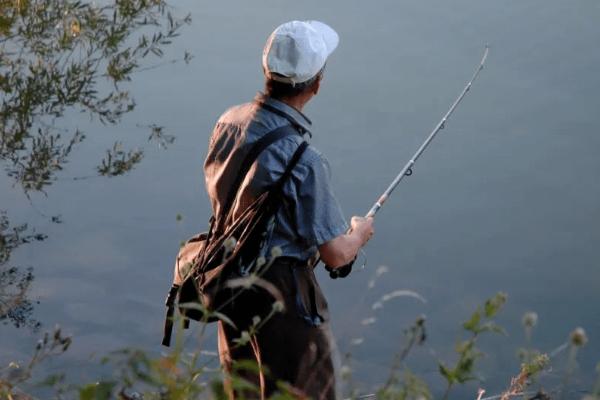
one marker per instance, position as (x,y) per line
(507,198)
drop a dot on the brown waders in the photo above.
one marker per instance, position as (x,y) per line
(292,347)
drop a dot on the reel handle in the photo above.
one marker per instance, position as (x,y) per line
(340,272)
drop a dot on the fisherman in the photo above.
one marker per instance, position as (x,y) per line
(292,346)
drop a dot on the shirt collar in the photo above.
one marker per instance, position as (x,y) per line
(294,115)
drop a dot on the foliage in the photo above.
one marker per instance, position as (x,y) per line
(529,321)
(480,322)
(409,387)
(15,374)
(406,386)
(58,56)
(521,381)
(595,393)
(158,135)
(178,375)
(15,307)
(13,237)
(117,161)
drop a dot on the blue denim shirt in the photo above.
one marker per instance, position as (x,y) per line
(310,214)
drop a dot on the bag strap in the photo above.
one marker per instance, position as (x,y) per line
(293,161)
(256,149)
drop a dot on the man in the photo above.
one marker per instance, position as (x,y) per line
(291,346)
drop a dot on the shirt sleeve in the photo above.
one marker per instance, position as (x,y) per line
(317,212)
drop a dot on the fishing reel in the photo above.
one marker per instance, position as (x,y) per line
(340,272)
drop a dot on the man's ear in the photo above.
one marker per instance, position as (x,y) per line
(317,85)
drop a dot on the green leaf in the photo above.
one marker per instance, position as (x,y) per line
(97,391)
(218,390)
(536,365)
(473,323)
(447,373)
(5,25)
(52,380)
(492,327)
(494,304)
(464,346)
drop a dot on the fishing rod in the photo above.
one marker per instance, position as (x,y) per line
(407,170)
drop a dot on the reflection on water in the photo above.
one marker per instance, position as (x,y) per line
(53,57)
(15,307)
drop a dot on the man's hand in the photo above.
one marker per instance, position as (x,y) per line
(363,228)
(343,249)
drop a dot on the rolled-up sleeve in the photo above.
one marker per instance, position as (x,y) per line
(317,212)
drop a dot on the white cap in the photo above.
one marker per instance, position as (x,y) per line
(297,50)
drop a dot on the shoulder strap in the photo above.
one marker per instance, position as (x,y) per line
(293,161)
(257,148)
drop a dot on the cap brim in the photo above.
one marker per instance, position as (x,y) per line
(330,37)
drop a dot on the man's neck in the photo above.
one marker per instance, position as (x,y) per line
(297,102)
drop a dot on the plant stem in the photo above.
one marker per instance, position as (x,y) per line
(570,368)
(447,392)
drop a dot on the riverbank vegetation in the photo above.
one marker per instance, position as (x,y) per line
(179,374)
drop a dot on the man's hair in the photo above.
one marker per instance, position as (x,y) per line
(280,90)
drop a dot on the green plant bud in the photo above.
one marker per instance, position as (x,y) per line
(244,338)
(345,372)
(278,306)
(368,321)
(529,319)
(578,337)
(229,244)
(256,320)
(382,269)
(260,261)
(276,252)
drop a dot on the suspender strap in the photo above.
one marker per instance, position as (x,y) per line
(257,148)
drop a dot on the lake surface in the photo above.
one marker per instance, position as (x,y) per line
(506,199)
